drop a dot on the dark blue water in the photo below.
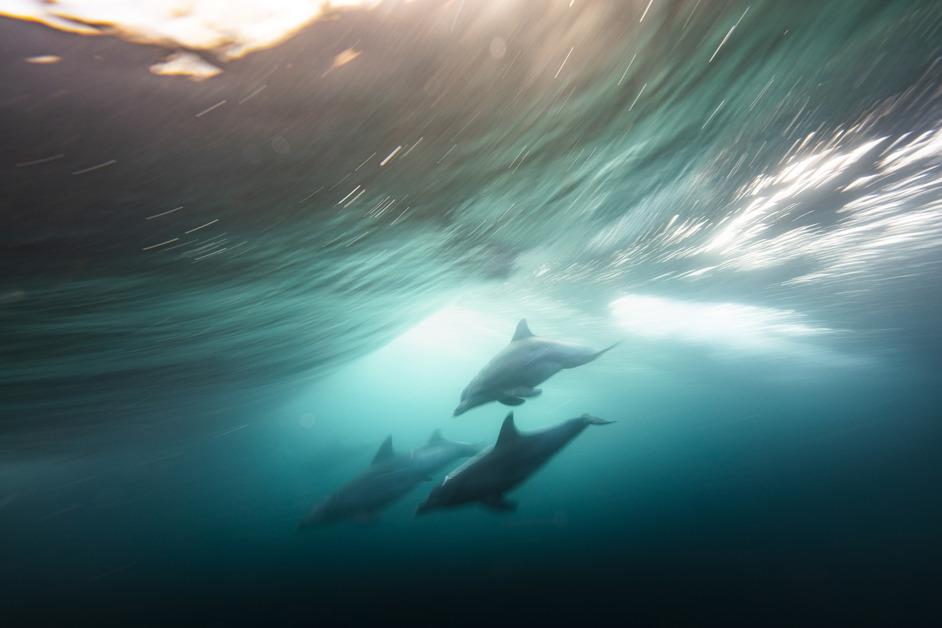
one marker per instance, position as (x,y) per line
(211,315)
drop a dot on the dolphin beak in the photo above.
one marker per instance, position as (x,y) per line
(459,410)
(422,509)
(305,524)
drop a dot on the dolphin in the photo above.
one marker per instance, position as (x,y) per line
(513,374)
(389,477)
(439,452)
(514,458)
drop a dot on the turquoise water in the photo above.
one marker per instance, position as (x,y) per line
(745,194)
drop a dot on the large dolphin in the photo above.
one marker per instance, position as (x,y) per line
(514,458)
(389,477)
(526,362)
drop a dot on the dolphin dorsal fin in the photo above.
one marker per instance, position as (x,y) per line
(436,437)
(522,332)
(386,452)
(508,431)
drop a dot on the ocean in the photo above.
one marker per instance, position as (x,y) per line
(219,295)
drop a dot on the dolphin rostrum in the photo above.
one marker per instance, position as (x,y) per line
(526,362)
(389,477)
(514,458)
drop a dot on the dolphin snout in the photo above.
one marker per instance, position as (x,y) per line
(307,523)
(422,509)
(316,518)
(467,402)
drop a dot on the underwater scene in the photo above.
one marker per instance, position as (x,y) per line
(450,312)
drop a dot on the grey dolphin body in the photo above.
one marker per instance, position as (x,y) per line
(438,452)
(513,459)
(390,477)
(526,362)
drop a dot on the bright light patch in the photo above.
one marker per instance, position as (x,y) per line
(343,58)
(229,29)
(454,329)
(44,59)
(185,64)
(731,325)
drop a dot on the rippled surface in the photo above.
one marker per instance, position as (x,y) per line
(754,187)
(296,210)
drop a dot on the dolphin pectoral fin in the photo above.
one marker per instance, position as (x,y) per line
(499,503)
(525,391)
(510,400)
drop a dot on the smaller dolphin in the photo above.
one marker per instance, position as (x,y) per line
(526,362)
(513,459)
(438,452)
(390,477)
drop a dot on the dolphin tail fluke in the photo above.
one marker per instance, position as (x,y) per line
(606,349)
(594,420)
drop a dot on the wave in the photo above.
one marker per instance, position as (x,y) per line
(171,240)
